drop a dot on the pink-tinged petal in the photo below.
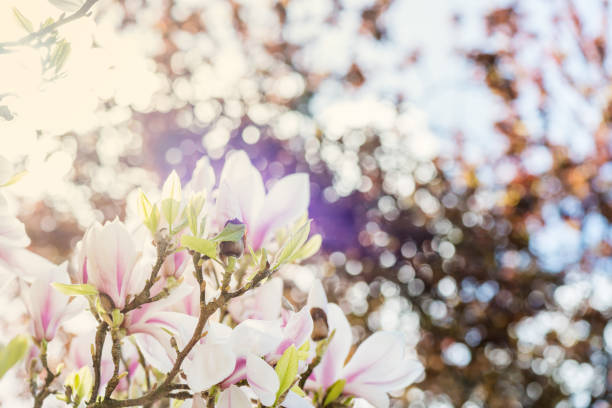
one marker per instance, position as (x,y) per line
(48,308)
(237,375)
(286,202)
(372,394)
(154,352)
(263,303)
(295,401)
(330,368)
(218,333)
(259,337)
(241,191)
(380,361)
(12,233)
(263,379)
(210,364)
(233,397)
(111,257)
(25,264)
(297,331)
(317,296)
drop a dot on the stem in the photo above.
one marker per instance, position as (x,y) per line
(206,310)
(116,355)
(144,296)
(82,12)
(97,359)
(45,391)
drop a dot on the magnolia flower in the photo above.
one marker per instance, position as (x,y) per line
(233,397)
(15,259)
(379,364)
(227,356)
(152,325)
(106,259)
(262,303)
(47,307)
(242,196)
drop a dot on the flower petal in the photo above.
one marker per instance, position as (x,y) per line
(295,401)
(241,191)
(233,397)
(210,364)
(287,200)
(330,368)
(263,379)
(259,337)
(380,361)
(317,296)
(262,303)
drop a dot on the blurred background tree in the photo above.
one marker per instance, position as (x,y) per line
(459,154)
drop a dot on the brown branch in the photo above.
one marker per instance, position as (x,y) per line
(116,355)
(97,359)
(82,12)
(144,296)
(50,376)
(206,310)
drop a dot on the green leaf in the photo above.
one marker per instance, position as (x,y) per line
(81,383)
(12,353)
(293,245)
(75,289)
(148,213)
(201,245)
(193,210)
(171,198)
(296,388)
(334,392)
(310,248)
(231,232)
(60,55)
(25,23)
(14,179)
(286,369)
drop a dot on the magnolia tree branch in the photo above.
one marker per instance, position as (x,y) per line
(144,297)
(50,376)
(206,310)
(97,359)
(81,12)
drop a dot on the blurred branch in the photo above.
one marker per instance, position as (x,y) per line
(82,12)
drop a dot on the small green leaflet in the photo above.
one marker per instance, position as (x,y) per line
(81,383)
(76,289)
(334,392)
(201,245)
(23,20)
(310,248)
(293,245)
(232,232)
(171,197)
(286,369)
(12,353)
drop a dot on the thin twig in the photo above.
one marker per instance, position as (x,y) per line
(206,310)
(82,12)
(97,359)
(144,296)
(50,376)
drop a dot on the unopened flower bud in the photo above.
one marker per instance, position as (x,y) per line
(107,303)
(232,248)
(320,329)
